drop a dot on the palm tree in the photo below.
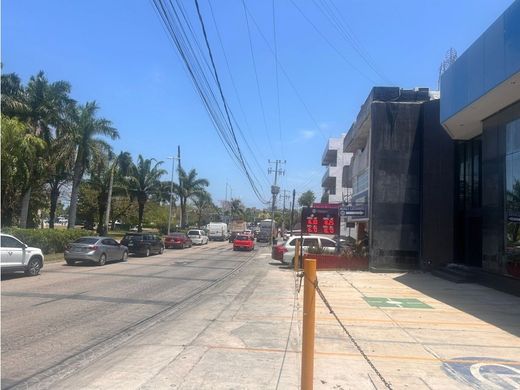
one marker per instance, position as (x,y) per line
(143,181)
(202,202)
(237,208)
(86,127)
(41,107)
(188,188)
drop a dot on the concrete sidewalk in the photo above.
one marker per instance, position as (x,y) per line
(420,332)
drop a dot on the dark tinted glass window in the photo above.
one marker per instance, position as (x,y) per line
(86,240)
(310,242)
(9,242)
(328,243)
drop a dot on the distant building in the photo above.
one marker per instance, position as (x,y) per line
(480,110)
(336,182)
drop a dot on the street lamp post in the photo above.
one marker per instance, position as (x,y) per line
(171,193)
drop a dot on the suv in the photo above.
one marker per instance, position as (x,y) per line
(143,243)
(198,236)
(17,256)
(285,252)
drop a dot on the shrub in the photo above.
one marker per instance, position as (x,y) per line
(48,240)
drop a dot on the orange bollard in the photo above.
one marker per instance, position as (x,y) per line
(297,256)
(309,322)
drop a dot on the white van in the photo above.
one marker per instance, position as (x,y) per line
(217,231)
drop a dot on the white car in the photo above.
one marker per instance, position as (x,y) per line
(198,236)
(17,256)
(285,252)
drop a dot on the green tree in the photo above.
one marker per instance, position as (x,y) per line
(237,208)
(21,150)
(306,199)
(190,186)
(86,129)
(203,205)
(143,181)
(40,106)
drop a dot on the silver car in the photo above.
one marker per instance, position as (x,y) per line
(95,249)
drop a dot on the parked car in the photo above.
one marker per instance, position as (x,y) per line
(177,240)
(198,236)
(285,252)
(244,241)
(98,250)
(143,244)
(17,256)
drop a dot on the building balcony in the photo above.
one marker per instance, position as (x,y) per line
(329,178)
(330,154)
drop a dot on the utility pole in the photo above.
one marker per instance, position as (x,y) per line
(275,190)
(283,211)
(171,193)
(292,210)
(183,206)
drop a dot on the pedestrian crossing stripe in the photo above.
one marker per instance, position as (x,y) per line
(405,303)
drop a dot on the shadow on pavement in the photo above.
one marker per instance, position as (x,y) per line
(492,306)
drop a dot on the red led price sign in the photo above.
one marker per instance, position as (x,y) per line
(320,221)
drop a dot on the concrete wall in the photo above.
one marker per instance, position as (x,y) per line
(395,166)
(437,190)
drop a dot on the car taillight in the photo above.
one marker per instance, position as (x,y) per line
(92,247)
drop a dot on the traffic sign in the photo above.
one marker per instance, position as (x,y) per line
(352,211)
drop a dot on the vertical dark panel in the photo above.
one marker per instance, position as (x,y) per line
(438,189)
(395,180)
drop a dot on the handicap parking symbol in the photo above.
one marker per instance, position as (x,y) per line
(485,373)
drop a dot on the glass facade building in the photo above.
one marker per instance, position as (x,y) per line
(480,110)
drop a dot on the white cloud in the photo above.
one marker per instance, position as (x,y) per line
(308,134)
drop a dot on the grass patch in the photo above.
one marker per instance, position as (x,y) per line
(54,258)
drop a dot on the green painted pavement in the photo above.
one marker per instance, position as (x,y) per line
(405,303)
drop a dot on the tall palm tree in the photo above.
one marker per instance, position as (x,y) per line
(202,203)
(143,181)
(237,208)
(86,129)
(41,106)
(188,188)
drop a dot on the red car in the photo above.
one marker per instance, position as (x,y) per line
(244,241)
(177,240)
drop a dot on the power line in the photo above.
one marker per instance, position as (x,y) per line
(285,73)
(256,76)
(339,53)
(182,35)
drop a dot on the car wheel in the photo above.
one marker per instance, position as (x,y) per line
(70,262)
(125,256)
(161,251)
(102,260)
(34,267)
(147,253)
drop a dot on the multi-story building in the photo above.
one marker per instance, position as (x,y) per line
(336,183)
(399,153)
(480,110)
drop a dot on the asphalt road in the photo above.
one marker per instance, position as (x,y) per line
(56,322)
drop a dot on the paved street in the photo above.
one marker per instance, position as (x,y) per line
(67,316)
(211,318)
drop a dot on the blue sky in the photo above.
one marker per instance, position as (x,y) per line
(117,53)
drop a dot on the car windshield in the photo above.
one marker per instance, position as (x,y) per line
(193,233)
(133,237)
(86,240)
(243,238)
